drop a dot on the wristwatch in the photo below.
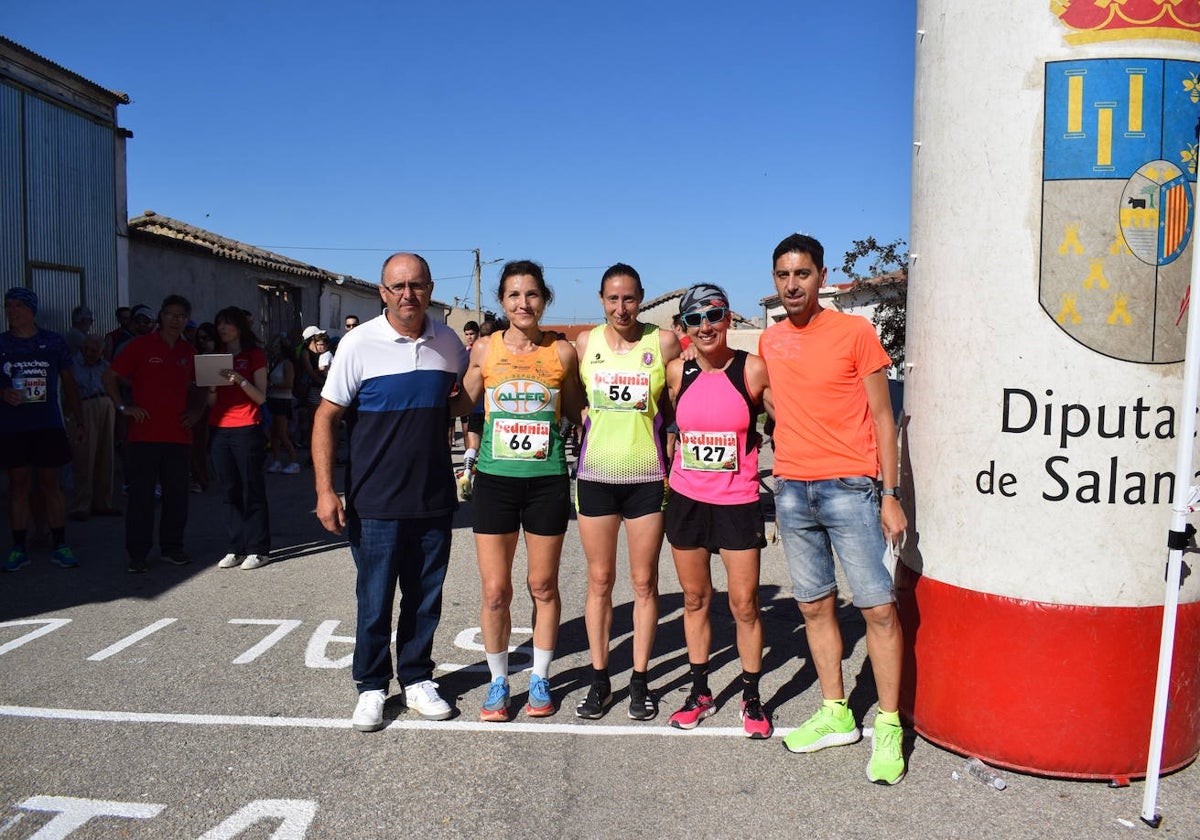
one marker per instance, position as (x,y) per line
(120,409)
(891,491)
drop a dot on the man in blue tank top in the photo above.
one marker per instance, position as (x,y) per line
(33,363)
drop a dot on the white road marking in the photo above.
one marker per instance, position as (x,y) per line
(297,816)
(657,728)
(71,813)
(132,638)
(315,654)
(48,625)
(284,626)
(465,640)
(10,822)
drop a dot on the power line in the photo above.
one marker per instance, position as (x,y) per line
(380,250)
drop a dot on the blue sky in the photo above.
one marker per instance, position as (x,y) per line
(685,139)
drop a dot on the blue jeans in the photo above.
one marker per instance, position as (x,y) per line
(817,518)
(410,553)
(239,456)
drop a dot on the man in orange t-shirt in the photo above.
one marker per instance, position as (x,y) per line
(834,436)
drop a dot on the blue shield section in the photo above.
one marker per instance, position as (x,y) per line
(1103,97)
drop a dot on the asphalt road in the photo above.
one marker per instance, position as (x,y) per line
(194,702)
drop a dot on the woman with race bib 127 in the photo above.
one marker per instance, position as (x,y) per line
(713,502)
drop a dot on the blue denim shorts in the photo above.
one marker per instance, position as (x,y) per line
(818,518)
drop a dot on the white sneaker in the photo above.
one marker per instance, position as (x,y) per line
(423,698)
(291,469)
(230,560)
(274,467)
(368,714)
(255,561)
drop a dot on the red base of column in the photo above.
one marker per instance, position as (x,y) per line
(1052,689)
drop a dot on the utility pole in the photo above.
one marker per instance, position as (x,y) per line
(478,296)
(478,275)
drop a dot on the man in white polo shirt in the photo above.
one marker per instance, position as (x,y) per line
(398,371)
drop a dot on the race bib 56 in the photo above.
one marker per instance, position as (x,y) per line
(616,390)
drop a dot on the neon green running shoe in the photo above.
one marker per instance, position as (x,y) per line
(887,755)
(832,726)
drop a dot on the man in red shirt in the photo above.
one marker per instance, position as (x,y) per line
(159,369)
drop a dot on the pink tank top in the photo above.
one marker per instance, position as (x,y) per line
(716,456)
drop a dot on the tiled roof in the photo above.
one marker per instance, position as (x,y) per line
(571,331)
(678,293)
(835,289)
(153,224)
(891,278)
(661,299)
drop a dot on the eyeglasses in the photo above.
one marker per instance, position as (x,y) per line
(713,316)
(401,288)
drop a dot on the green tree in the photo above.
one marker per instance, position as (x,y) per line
(885,282)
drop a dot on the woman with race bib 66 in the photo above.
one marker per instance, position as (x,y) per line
(528,378)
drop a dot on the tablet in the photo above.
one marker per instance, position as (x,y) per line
(209,367)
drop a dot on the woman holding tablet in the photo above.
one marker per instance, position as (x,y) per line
(238,445)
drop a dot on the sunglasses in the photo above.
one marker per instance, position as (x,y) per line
(713,316)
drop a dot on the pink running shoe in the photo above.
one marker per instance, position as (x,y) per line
(695,709)
(755,720)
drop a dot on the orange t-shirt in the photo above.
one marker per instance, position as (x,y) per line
(823,426)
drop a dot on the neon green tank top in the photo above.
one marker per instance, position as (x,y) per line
(622,443)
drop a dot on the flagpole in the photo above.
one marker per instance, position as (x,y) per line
(1176,542)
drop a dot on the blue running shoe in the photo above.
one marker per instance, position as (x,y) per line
(540,704)
(65,557)
(17,559)
(495,707)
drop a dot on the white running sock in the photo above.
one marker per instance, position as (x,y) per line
(498,663)
(541,662)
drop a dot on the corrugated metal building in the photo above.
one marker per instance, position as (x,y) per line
(62,188)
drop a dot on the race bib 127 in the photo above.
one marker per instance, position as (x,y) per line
(711,451)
